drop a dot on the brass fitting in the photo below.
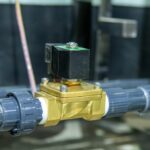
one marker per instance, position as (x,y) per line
(65,102)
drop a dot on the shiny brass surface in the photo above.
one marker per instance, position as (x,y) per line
(81,101)
(73,82)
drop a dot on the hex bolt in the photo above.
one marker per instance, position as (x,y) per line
(71,45)
(97,85)
(63,88)
(44,80)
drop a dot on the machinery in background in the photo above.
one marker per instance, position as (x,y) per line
(113,34)
(110,27)
(68,95)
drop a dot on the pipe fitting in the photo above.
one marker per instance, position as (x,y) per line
(19,113)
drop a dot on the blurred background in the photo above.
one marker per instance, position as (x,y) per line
(118,34)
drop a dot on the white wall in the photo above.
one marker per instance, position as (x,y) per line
(134,3)
(40,2)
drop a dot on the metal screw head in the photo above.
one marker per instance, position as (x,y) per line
(71,45)
(97,85)
(63,88)
(44,80)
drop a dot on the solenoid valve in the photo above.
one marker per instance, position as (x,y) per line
(67,95)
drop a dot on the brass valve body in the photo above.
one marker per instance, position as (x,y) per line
(83,101)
